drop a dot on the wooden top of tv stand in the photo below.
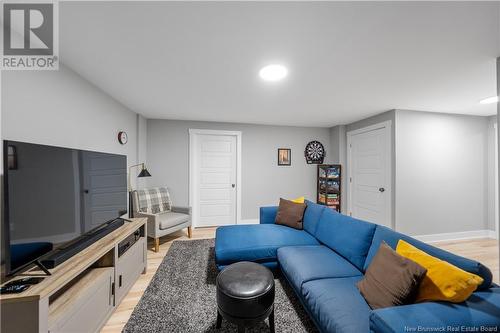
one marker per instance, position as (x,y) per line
(71,268)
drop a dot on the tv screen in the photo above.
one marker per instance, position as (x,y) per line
(53,195)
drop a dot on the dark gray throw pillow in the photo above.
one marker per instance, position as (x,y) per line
(290,214)
(391,279)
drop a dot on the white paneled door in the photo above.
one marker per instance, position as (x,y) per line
(215,179)
(369,171)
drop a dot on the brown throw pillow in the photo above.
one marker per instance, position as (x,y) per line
(391,279)
(290,213)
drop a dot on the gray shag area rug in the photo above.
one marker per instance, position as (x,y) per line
(181,297)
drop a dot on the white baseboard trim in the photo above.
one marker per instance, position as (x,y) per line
(492,234)
(249,221)
(457,236)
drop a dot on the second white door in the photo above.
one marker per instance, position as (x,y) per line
(369,163)
(215,180)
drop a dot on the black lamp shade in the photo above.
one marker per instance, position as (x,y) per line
(144,173)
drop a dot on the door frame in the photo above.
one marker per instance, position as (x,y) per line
(387,125)
(193,195)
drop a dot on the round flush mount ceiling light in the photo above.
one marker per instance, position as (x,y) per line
(273,73)
(489,100)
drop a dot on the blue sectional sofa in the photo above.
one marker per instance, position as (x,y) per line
(324,262)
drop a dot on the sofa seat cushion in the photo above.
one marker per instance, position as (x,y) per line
(391,237)
(336,305)
(349,237)
(482,309)
(257,243)
(301,264)
(171,219)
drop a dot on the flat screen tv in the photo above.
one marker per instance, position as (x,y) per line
(54,196)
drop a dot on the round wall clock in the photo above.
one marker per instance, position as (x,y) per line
(314,152)
(122,137)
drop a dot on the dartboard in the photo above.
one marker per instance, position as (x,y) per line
(314,152)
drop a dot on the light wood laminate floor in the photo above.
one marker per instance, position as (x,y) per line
(483,250)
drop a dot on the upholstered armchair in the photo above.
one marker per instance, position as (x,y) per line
(163,218)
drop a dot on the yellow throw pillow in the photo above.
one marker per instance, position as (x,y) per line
(443,281)
(298,200)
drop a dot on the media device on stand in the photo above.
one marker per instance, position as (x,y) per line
(127,243)
(57,201)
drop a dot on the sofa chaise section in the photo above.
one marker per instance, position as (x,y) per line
(257,243)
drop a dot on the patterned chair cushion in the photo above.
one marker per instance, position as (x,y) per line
(154,200)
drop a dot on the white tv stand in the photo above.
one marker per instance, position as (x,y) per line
(83,291)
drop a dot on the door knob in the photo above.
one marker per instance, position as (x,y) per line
(233,185)
(381,189)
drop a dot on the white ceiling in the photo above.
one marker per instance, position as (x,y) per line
(346,61)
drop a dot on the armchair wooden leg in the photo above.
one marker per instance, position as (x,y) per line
(157,245)
(190,232)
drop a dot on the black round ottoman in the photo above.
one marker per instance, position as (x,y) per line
(245,295)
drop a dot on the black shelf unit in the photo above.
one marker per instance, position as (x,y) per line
(329,186)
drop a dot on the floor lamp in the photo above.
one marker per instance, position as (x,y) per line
(144,173)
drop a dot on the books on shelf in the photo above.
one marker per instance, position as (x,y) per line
(322,173)
(329,199)
(332,185)
(329,178)
(329,172)
(332,173)
(329,186)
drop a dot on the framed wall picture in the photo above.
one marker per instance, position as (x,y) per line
(284,156)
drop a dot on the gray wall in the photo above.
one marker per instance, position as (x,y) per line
(142,138)
(435,151)
(263,182)
(498,134)
(441,173)
(338,148)
(63,109)
(142,134)
(492,132)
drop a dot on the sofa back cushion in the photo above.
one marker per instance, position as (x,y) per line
(349,237)
(268,214)
(311,216)
(391,237)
